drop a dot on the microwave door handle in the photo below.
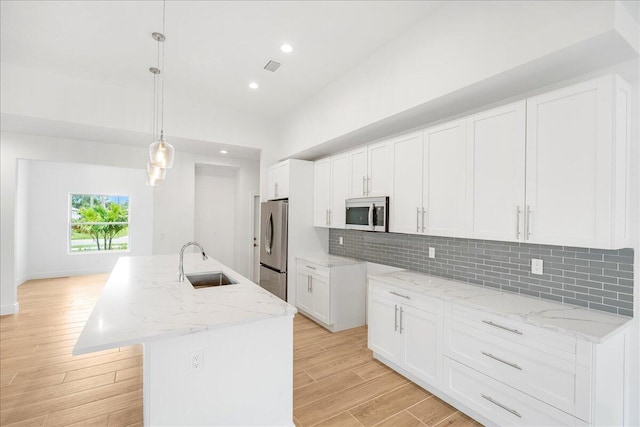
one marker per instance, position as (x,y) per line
(371,209)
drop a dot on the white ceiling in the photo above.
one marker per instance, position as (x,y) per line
(213,48)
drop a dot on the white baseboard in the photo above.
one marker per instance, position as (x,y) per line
(9,308)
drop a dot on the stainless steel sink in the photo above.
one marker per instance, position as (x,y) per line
(209,279)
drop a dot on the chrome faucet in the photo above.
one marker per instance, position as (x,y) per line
(181,266)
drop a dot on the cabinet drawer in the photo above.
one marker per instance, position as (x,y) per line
(535,337)
(405,298)
(310,268)
(499,402)
(552,379)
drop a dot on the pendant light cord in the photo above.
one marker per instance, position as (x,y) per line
(164,5)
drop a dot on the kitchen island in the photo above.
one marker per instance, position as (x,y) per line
(220,355)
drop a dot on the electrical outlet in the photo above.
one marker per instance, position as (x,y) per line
(536,266)
(432,252)
(196,361)
(341,240)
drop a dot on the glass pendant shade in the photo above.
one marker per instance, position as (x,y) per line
(156,173)
(161,154)
(152,182)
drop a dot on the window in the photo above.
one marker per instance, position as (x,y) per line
(98,223)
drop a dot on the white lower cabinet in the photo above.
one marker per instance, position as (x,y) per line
(498,402)
(333,296)
(499,370)
(407,331)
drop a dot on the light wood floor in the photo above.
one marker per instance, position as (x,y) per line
(336,380)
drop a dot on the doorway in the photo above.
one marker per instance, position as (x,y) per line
(255,242)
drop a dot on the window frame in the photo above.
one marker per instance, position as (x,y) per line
(70,224)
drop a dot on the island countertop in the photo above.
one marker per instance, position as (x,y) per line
(592,325)
(143,300)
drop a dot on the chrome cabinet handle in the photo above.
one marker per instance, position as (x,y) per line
(363,190)
(513,365)
(515,331)
(395,319)
(401,320)
(275,189)
(506,408)
(518,221)
(417,220)
(528,221)
(308,266)
(311,283)
(399,295)
(368,189)
(308,283)
(330,216)
(423,212)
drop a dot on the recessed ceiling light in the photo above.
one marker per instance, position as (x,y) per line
(286,48)
(253,85)
(223,151)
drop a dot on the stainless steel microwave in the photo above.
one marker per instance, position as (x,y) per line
(367,213)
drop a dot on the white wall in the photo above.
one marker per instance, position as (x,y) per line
(215,201)
(49,185)
(22,226)
(459,45)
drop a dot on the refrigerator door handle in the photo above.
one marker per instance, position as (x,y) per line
(268,234)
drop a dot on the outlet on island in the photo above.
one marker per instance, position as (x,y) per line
(432,252)
(196,361)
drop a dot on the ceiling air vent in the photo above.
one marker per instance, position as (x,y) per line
(272,65)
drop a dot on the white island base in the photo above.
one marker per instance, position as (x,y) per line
(246,376)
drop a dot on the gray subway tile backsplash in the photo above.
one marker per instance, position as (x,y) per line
(595,278)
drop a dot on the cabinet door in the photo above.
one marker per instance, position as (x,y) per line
(303,296)
(495,173)
(322,192)
(271,182)
(384,338)
(422,338)
(444,184)
(358,172)
(321,298)
(339,189)
(569,165)
(282,178)
(379,169)
(405,204)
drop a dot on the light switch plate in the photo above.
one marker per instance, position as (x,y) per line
(432,252)
(536,266)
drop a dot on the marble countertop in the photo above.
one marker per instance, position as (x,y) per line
(591,325)
(327,260)
(143,301)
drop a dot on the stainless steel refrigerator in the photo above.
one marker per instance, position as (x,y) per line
(273,247)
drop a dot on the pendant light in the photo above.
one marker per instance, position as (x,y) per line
(161,153)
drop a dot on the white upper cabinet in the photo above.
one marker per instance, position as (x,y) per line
(370,170)
(339,190)
(405,203)
(444,184)
(358,172)
(495,173)
(576,167)
(379,169)
(322,192)
(278,181)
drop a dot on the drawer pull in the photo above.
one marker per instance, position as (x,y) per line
(313,268)
(515,331)
(399,295)
(484,396)
(513,365)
